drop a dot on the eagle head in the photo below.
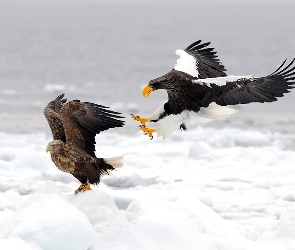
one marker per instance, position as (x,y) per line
(54,146)
(170,81)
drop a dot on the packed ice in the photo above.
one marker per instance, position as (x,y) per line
(208,188)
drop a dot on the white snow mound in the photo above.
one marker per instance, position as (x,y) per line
(47,219)
(91,220)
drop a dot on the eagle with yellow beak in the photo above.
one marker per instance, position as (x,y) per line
(74,125)
(199,90)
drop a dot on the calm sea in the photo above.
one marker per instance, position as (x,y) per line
(106,51)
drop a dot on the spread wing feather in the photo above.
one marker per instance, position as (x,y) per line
(52,114)
(87,120)
(262,89)
(207,62)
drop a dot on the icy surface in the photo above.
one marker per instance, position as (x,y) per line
(218,189)
(49,221)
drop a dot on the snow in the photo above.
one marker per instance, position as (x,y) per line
(208,188)
(282,233)
(49,221)
(13,244)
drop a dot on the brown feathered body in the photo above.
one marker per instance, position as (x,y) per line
(74,126)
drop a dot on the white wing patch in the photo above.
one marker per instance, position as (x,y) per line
(157,113)
(220,81)
(186,63)
(172,122)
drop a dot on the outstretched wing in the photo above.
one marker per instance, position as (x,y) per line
(52,114)
(199,61)
(262,89)
(83,120)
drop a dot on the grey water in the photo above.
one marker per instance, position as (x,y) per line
(106,51)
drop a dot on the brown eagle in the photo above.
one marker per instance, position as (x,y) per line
(74,126)
(198,90)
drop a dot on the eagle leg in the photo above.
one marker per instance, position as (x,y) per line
(148,131)
(83,187)
(142,120)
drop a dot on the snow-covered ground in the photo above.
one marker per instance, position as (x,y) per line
(217,189)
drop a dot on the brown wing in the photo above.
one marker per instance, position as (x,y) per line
(52,114)
(83,120)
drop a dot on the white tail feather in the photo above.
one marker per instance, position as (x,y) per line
(116,162)
(168,125)
(212,112)
(172,122)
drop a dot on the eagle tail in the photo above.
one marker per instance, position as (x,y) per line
(212,112)
(171,123)
(115,162)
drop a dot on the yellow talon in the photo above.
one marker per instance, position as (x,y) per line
(148,131)
(83,187)
(142,120)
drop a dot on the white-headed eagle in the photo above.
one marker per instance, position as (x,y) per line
(74,126)
(199,89)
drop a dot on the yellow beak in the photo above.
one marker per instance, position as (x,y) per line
(147,90)
(48,149)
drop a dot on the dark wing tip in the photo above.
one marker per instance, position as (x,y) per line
(207,62)
(261,89)
(98,118)
(287,72)
(193,45)
(97,109)
(57,103)
(60,96)
(91,119)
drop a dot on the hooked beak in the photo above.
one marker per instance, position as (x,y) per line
(48,149)
(147,90)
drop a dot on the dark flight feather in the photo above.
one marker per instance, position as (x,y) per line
(78,123)
(262,89)
(207,62)
(91,119)
(190,91)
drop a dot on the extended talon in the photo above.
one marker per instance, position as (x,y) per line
(142,120)
(148,131)
(83,187)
